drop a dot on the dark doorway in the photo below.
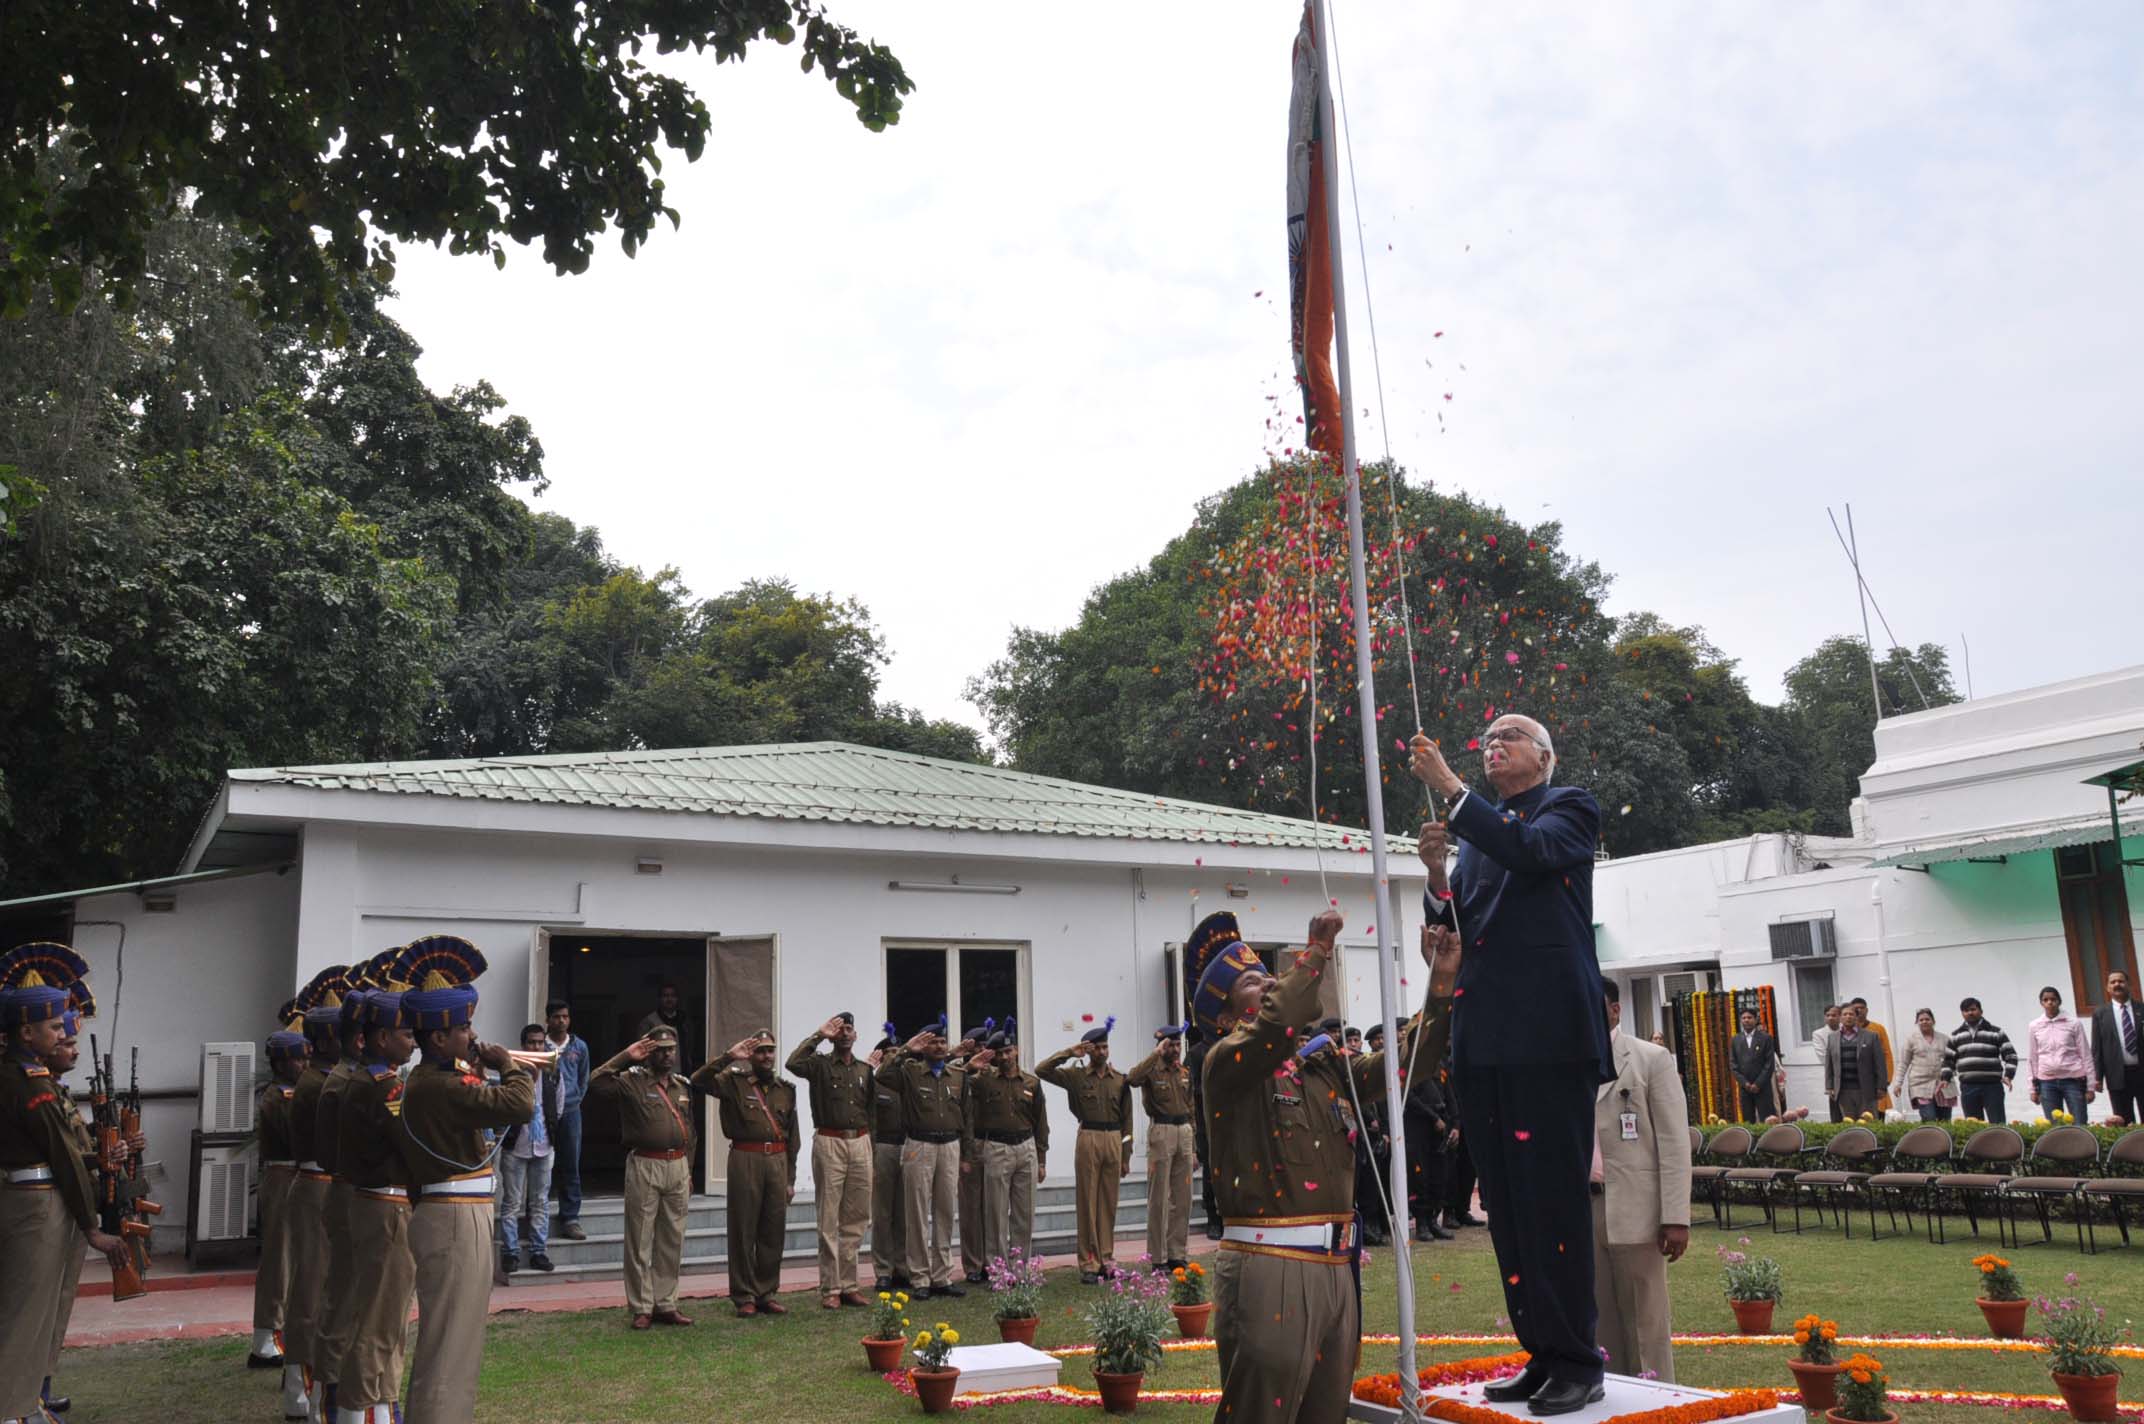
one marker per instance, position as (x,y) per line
(613,983)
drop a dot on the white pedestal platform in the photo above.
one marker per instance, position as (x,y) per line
(1624,1396)
(1004,1366)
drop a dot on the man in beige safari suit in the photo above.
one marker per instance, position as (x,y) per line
(655,1123)
(841,1093)
(1641,1200)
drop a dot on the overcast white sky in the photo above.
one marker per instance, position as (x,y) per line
(1700,271)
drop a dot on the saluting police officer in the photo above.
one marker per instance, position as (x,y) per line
(1285,1175)
(889,1208)
(841,1164)
(972,1259)
(932,1106)
(759,1117)
(450,1117)
(1101,1099)
(1009,1133)
(1164,1085)
(655,1122)
(382,1271)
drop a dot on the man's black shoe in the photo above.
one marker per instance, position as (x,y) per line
(1371,1236)
(1213,1228)
(1523,1385)
(1564,1397)
(509,1262)
(1436,1232)
(919,1292)
(1461,1218)
(975,1278)
(54,1403)
(1088,1278)
(540,1262)
(950,1288)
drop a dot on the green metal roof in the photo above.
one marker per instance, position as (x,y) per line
(1997,847)
(827,781)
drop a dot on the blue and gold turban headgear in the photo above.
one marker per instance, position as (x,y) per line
(1210,999)
(1208,938)
(321,999)
(441,971)
(38,983)
(287,1041)
(384,1004)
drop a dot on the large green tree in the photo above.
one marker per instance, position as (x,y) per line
(1830,699)
(324,133)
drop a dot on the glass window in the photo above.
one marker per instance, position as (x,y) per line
(1814,992)
(989,985)
(966,983)
(915,989)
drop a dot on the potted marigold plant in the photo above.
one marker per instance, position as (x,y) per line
(1863,1396)
(932,1376)
(1754,1285)
(1815,1363)
(2080,1351)
(2002,1299)
(1016,1282)
(1127,1326)
(1188,1300)
(889,1331)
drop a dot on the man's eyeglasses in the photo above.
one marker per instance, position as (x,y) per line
(1510,736)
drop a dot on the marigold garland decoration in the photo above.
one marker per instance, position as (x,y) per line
(1703,1024)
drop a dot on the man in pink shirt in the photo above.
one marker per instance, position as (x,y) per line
(2058,1060)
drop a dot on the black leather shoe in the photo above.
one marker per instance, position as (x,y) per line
(1436,1232)
(54,1403)
(1461,1218)
(1522,1385)
(540,1262)
(949,1288)
(509,1263)
(1564,1397)
(1213,1228)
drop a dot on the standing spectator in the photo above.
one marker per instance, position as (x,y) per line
(2058,1062)
(1641,1200)
(573,1070)
(1753,1057)
(1981,1062)
(670,1013)
(1883,1042)
(1919,1080)
(1354,1041)
(1373,1159)
(1821,1040)
(1853,1074)
(525,1156)
(1458,1159)
(1432,1132)
(2117,1031)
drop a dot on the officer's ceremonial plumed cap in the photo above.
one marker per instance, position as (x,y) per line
(321,998)
(890,1040)
(441,971)
(1007,1036)
(1170,1031)
(1209,938)
(286,1041)
(846,1017)
(37,982)
(384,1005)
(1100,1033)
(982,1035)
(1210,999)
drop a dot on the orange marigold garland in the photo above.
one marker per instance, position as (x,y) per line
(1385,1389)
(1731,1405)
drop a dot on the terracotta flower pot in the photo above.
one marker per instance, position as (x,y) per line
(1837,1418)
(934,1388)
(1019,1330)
(1818,1384)
(2089,1396)
(885,1355)
(1120,1393)
(2006,1318)
(1753,1317)
(1191,1319)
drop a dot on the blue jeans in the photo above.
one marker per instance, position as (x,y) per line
(1982,1100)
(2062,1093)
(1933,1111)
(568,1166)
(525,1182)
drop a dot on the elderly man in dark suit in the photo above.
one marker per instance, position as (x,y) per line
(2118,1048)
(1529,1038)
(1754,1060)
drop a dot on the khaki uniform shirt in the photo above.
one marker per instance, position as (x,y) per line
(446,1108)
(889,1123)
(654,1114)
(272,1122)
(930,1102)
(1099,1100)
(304,1111)
(371,1105)
(752,1111)
(1164,1088)
(1280,1126)
(1001,1104)
(840,1091)
(327,1115)
(35,1131)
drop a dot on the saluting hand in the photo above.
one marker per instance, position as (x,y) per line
(831,1027)
(639,1049)
(741,1050)
(921,1041)
(983,1058)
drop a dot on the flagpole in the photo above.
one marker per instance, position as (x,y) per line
(1366,692)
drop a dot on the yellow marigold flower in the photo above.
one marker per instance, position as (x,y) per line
(1831,1331)
(1801,1337)
(1859,1376)
(923,1337)
(952,1337)
(883,1296)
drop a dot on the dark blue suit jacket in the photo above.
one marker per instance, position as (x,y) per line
(1530,985)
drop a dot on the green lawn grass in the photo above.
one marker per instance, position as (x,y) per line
(552,1369)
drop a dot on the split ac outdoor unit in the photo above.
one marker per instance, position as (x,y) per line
(1804,939)
(223,1190)
(226,1089)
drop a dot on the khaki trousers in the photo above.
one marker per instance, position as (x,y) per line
(1168,1192)
(657,1195)
(35,1230)
(1097,1169)
(70,1279)
(758,1191)
(382,1276)
(889,1233)
(841,1180)
(930,1176)
(452,1246)
(972,1259)
(1294,1364)
(271,1280)
(1630,1295)
(338,1303)
(1008,1173)
(305,1248)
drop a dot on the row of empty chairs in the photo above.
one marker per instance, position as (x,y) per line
(1993,1174)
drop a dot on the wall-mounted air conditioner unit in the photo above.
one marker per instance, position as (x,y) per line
(1804,939)
(218,1228)
(227,1089)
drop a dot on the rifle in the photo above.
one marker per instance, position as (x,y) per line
(123,1205)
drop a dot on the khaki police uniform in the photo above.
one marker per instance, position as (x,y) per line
(759,1117)
(1287,1320)
(972,1259)
(449,1116)
(841,1157)
(338,1305)
(305,1241)
(279,1168)
(932,1108)
(889,1210)
(655,1123)
(1009,1129)
(47,1204)
(1102,1101)
(1165,1090)
(383,1273)
(77,1243)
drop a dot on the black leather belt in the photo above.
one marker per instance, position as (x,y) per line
(1100,1127)
(889,1141)
(1010,1139)
(1170,1119)
(938,1138)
